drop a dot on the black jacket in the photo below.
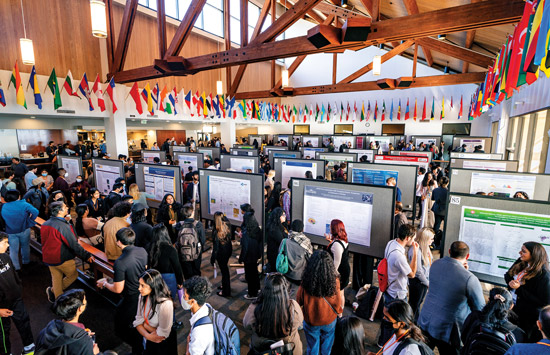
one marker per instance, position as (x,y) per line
(275,235)
(63,338)
(112,199)
(251,245)
(10,284)
(144,233)
(439,196)
(220,252)
(93,212)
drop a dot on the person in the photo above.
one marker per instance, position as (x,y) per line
(143,230)
(138,196)
(407,337)
(155,146)
(418,285)
(494,316)
(338,249)
(170,212)
(80,190)
(193,195)
(286,198)
(541,347)
(201,337)
(399,218)
(392,182)
(37,196)
(128,268)
(478,149)
(18,216)
(276,231)
(47,179)
(428,185)
(66,335)
(62,185)
(143,145)
(192,267)
(251,249)
(51,150)
(297,234)
(418,197)
(30,176)
(273,316)
(529,281)
(274,198)
(12,307)
(155,314)
(349,337)
(166,145)
(80,150)
(269,179)
(222,250)
(121,212)
(454,292)
(114,197)
(59,247)
(19,169)
(439,208)
(521,195)
(96,205)
(88,229)
(320,298)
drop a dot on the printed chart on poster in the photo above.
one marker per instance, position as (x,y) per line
(159,181)
(292,169)
(309,153)
(354,208)
(484,165)
(402,160)
(149,157)
(242,165)
(186,161)
(495,236)
(372,177)
(472,143)
(226,195)
(72,167)
(105,177)
(502,185)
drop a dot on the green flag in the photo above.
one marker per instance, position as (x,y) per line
(54,88)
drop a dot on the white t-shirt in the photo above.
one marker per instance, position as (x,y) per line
(409,350)
(202,336)
(398,269)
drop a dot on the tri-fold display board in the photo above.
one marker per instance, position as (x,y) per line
(500,183)
(472,142)
(485,164)
(187,160)
(178,148)
(485,156)
(309,153)
(285,169)
(210,152)
(148,156)
(240,163)
(495,229)
(226,191)
(366,211)
(369,153)
(72,165)
(106,171)
(159,180)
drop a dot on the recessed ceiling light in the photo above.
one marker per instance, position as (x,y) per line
(33,116)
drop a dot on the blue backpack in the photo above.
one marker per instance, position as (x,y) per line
(226,334)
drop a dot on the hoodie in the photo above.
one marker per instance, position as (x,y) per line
(62,338)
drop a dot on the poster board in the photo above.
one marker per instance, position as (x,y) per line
(240,163)
(243,152)
(336,158)
(414,153)
(339,140)
(147,156)
(226,191)
(296,154)
(376,174)
(383,141)
(72,165)
(366,210)
(484,164)
(484,156)
(178,148)
(471,142)
(285,169)
(186,160)
(316,141)
(309,153)
(267,148)
(402,160)
(213,152)
(370,153)
(495,228)
(502,183)
(360,142)
(427,140)
(286,138)
(106,171)
(159,180)
(258,138)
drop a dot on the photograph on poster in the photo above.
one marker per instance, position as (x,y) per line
(226,195)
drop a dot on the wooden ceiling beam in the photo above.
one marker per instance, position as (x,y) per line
(161,22)
(124,35)
(227,39)
(184,29)
(387,56)
(339,11)
(412,9)
(458,52)
(311,13)
(470,35)
(368,4)
(428,81)
(244,23)
(110,35)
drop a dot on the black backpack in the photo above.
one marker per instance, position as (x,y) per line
(488,341)
(424,349)
(364,310)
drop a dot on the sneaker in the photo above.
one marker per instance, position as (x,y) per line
(247,297)
(29,351)
(50,294)
(177,325)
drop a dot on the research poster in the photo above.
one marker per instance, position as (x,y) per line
(226,195)
(284,139)
(415,154)
(472,143)
(242,153)
(186,161)
(208,153)
(149,157)
(326,141)
(335,159)
(402,160)
(339,140)
(296,169)
(354,208)
(285,154)
(71,166)
(360,152)
(309,153)
(106,176)
(484,165)
(159,181)
(312,140)
(242,165)
(427,141)
(502,185)
(359,142)
(384,143)
(495,237)
(372,177)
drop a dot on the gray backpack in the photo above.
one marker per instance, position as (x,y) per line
(188,244)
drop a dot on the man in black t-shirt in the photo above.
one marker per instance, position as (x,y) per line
(128,268)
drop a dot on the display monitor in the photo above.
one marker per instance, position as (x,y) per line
(244,152)
(285,169)
(178,148)
(415,153)
(72,165)
(106,171)
(240,163)
(348,141)
(159,180)
(312,141)
(487,164)
(267,148)
(148,156)
(369,153)
(402,160)
(210,152)
(189,160)
(495,229)
(336,158)
(484,156)
(309,153)
(470,143)
(296,154)
(366,211)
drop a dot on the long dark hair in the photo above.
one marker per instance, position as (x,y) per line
(277,188)
(273,311)
(349,337)
(80,211)
(319,278)
(539,261)
(400,311)
(158,237)
(159,290)
(163,203)
(425,180)
(496,311)
(274,220)
(249,221)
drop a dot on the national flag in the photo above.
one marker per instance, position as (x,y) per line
(210,105)
(188,101)
(134,92)
(407,110)
(368,111)
(451,102)
(242,107)
(354,110)
(335,112)
(503,74)
(229,106)
(544,31)
(257,109)
(347,112)
(2,96)
(84,89)
(96,89)
(433,106)
(525,76)
(316,112)
(424,110)
(173,98)
(216,105)
(375,110)
(68,85)
(442,116)
(399,110)
(415,109)
(33,82)
(162,97)
(276,113)
(171,103)
(341,110)
(203,108)
(146,94)
(529,65)
(18,86)
(110,90)
(254,113)
(221,102)
(362,111)
(329,111)
(323,111)
(294,113)
(155,95)
(53,85)
(460,111)
(517,49)
(391,111)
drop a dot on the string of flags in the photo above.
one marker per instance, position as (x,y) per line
(197,105)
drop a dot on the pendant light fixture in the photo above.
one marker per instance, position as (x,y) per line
(219,83)
(376,65)
(27,51)
(99,19)
(284,78)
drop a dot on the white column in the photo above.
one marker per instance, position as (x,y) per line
(503,124)
(228,133)
(115,125)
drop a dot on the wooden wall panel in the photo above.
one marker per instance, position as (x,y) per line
(162,135)
(36,140)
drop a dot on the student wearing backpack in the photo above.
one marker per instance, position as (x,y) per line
(488,331)
(191,239)
(541,347)
(276,231)
(338,250)
(201,337)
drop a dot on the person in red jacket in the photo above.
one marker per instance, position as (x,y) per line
(59,248)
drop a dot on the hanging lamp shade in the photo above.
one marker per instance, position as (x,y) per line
(99,19)
(376,65)
(27,51)
(284,78)
(219,87)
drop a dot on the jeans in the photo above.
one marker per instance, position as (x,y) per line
(20,240)
(320,337)
(417,293)
(170,280)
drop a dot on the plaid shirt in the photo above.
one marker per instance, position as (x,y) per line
(302,240)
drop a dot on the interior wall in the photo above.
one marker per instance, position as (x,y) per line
(34,141)
(162,135)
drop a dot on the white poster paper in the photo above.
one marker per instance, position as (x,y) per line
(71,166)
(484,165)
(242,165)
(226,195)
(186,161)
(339,140)
(502,185)
(148,157)
(105,177)
(472,143)
(296,169)
(159,181)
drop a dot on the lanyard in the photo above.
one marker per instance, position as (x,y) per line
(541,343)
(146,317)
(381,351)
(521,275)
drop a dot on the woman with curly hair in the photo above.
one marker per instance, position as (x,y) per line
(169,213)
(321,301)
